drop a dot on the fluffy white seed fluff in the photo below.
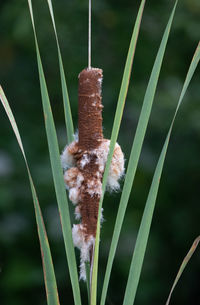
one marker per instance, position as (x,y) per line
(94,103)
(70,177)
(79,179)
(102,153)
(102,218)
(78,235)
(94,187)
(116,169)
(75,183)
(73,180)
(76,136)
(117,164)
(74,193)
(67,159)
(77,213)
(84,160)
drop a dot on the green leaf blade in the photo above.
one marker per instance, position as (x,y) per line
(66,102)
(135,153)
(183,266)
(49,274)
(115,131)
(143,234)
(57,174)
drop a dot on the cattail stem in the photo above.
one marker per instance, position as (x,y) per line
(89,34)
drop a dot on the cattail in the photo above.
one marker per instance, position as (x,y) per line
(84,162)
(90,109)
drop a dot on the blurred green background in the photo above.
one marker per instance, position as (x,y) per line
(176,219)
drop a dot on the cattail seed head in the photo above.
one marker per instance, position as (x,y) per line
(90,108)
(84,163)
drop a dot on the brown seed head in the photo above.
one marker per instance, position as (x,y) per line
(90,108)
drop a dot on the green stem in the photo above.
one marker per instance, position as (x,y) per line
(87,268)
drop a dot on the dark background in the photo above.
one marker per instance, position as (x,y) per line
(176,219)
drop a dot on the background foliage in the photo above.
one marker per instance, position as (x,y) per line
(176,219)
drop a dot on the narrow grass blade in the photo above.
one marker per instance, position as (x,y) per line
(67,108)
(115,131)
(57,174)
(183,265)
(135,153)
(49,275)
(142,238)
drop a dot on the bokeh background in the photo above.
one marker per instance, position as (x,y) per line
(176,219)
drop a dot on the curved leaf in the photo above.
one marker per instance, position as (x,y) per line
(115,131)
(67,108)
(57,173)
(49,275)
(143,234)
(135,154)
(183,265)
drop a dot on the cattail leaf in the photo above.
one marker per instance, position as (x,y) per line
(49,275)
(57,173)
(135,153)
(143,233)
(183,265)
(115,131)
(67,108)
(87,268)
